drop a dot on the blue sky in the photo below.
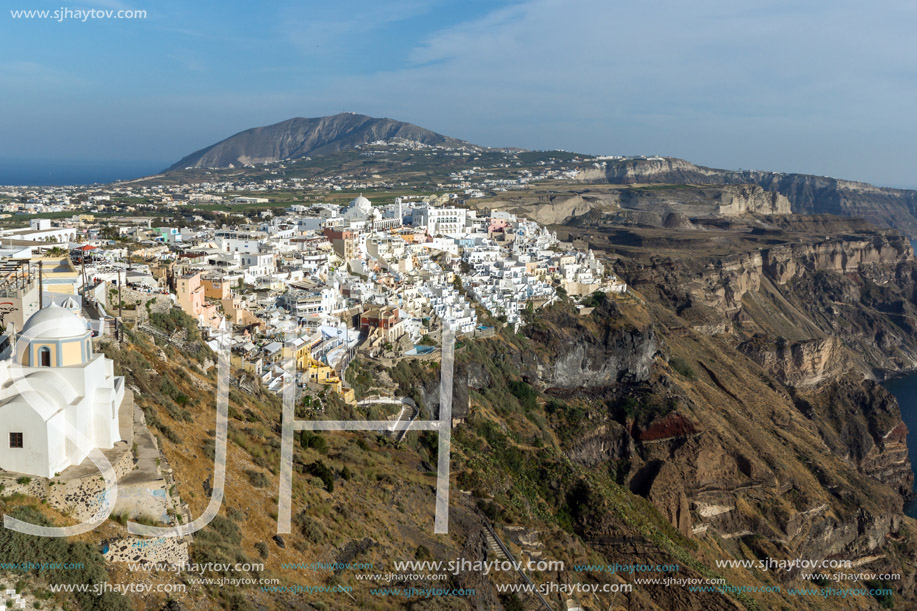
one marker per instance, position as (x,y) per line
(820,87)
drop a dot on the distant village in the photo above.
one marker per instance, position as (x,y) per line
(467,182)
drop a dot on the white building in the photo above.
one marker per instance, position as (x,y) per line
(246,246)
(54,386)
(441,221)
(360,209)
(40,230)
(256,265)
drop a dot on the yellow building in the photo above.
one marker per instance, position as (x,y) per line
(58,275)
(215,288)
(320,373)
(316,372)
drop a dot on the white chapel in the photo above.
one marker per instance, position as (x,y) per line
(53,379)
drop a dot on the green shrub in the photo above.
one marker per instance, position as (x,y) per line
(257,478)
(20,547)
(218,543)
(595,300)
(221,529)
(168,433)
(308,439)
(885,599)
(322,472)
(643,410)
(309,528)
(175,319)
(511,602)
(524,393)
(683,367)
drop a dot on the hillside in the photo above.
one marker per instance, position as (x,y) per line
(300,137)
(724,410)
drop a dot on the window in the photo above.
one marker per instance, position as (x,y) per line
(44,357)
(15,440)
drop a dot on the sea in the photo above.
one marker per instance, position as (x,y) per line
(51,172)
(905,390)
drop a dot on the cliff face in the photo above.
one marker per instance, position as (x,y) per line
(856,287)
(801,364)
(661,170)
(761,422)
(644,205)
(785,262)
(872,437)
(766,445)
(722,201)
(807,194)
(574,353)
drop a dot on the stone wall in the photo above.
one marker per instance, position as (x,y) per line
(82,497)
(158,303)
(28,485)
(79,496)
(154,550)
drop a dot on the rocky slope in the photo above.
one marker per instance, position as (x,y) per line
(737,462)
(655,206)
(770,433)
(794,286)
(300,137)
(808,194)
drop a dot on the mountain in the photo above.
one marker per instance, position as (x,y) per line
(808,194)
(300,137)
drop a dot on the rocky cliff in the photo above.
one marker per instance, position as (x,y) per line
(646,205)
(761,423)
(756,444)
(857,286)
(808,194)
(802,364)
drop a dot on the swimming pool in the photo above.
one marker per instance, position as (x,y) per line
(420,350)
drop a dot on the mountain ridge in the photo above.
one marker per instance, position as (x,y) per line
(300,137)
